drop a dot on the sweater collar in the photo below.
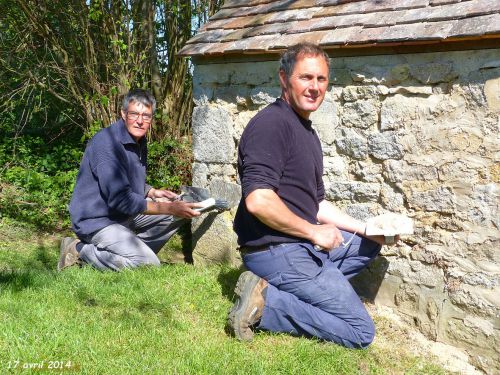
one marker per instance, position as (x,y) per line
(124,136)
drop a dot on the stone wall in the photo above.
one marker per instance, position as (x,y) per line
(413,133)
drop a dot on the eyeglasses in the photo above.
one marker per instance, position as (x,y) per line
(146,117)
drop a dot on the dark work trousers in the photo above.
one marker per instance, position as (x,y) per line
(309,293)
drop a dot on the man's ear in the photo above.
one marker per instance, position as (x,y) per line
(283,79)
(124,115)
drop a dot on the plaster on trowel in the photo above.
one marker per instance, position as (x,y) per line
(389,225)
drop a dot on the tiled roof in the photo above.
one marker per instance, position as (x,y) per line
(267,26)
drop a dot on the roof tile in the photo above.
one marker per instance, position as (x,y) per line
(441,2)
(339,36)
(423,31)
(218,48)
(361,7)
(209,36)
(239,3)
(274,28)
(288,40)
(477,26)
(240,22)
(252,44)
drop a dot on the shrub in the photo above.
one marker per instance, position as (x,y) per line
(169,163)
(37,180)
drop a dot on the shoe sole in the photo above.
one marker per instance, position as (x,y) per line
(66,241)
(245,285)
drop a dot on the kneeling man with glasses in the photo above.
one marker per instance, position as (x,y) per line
(113,211)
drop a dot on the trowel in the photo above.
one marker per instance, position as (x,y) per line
(389,225)
(192,194)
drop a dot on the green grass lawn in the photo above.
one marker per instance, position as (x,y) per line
(166,320)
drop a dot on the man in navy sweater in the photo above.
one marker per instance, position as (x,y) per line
(113,211)
(300,250)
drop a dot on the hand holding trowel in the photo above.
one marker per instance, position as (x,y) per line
(191,194)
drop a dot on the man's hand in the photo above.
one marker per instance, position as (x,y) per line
(160,193)
(183,209)
(327,236)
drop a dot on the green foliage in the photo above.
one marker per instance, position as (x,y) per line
(37,180)
(169,163)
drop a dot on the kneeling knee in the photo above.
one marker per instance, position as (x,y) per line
(366,338)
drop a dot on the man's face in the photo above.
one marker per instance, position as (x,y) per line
(305,89)
(137,119)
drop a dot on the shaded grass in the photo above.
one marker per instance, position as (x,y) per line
(167,320)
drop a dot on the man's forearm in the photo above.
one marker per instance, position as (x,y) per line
(268,207)
(157,208)
(330,214)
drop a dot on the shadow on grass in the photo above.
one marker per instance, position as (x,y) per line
(227,279)
(30,272)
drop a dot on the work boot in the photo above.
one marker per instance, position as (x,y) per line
(247,310)
(68,255)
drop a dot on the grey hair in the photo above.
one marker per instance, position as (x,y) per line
(139,95)
(292,54)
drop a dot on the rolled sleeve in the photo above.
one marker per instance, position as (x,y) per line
(262,157)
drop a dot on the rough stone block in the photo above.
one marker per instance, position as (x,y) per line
(385,146)
(241,120)
(212,139)
(413,272)
(202,95)
(398,112)
(484,209)
(441,199)
(253,74)
(362,211)
(325,120)
(367,171)
(407,298)
(262,96)
(353,145)
(205,75)
(355,191)
(200,174)
(474,332)
(339,76)
(434,72)
(230,94)
(335,166)
(368,282)
(214,241)
(412,90)
(361,114)
(353,93)
(400,170)
(388,290)
(492,94)
(392,200)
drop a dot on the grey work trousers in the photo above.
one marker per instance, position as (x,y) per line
(131,244)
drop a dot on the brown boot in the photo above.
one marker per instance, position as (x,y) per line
(68,254)
(247,310)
